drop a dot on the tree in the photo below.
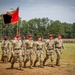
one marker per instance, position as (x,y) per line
(40,26)
(73,30)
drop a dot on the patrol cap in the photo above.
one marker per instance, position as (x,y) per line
(59,35)
(5,37)
(39,37)
(30,35)
(50,35)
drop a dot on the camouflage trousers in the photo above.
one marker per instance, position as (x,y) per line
(58,53)
(39,56)
(5,54)
(29,57)
(23,53)
(17,56)
(11,55)
(49,53)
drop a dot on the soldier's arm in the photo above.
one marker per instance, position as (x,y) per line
(63,46)
(21,44)
(8,44)
(56,41)
(35,47)
(44,47)
(1,44)
(25,46)
(12,48)
(54,46)
(46,44)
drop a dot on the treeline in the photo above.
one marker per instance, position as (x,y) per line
(42,27)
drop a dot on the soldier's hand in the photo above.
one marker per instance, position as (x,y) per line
(47,51)
(64,48)
(61,52)
(25,53)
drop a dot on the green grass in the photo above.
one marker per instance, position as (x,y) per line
(69,52)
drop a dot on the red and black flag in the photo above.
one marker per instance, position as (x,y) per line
(7,18)
(11,17)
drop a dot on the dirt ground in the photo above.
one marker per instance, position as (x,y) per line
(64,69)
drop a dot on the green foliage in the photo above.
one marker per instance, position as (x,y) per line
(42,27)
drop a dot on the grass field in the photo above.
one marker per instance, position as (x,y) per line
(67,65)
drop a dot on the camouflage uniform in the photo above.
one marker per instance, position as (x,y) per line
(49,51)
(39,52)
(29,52)
(17,53)
(58,47)
(5,50)
(23,49)
(12,49)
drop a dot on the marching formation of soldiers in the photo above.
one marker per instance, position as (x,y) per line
(22,50)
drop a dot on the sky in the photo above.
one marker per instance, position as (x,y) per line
(62,10)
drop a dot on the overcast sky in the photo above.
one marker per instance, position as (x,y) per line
(62,10)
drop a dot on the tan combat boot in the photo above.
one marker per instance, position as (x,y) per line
(12,66)
(31,63)
(41,64)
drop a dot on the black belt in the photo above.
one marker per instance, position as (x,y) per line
(30,48)
(58,47)
(17,48)
(39,48)
(50,49)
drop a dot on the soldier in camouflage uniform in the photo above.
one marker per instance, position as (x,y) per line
(23,47)
(5,49)
(12,47)
(58,46)
(29,51)
(40,46)
(17,55)
(49,50)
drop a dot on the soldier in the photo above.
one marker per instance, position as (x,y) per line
(29,51)
(5,49)
(17,52)
(12,48)
(39,51)
(49,50)
(23,47)
(58,46)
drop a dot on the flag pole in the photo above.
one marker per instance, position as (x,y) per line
(1,26)
(17,24)
(17,29)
